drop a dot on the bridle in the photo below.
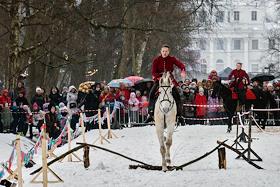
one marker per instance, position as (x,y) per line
(166,98)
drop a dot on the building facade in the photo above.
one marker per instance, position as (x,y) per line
(239,35)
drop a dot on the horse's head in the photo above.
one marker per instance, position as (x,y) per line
(220,90)
(165,89)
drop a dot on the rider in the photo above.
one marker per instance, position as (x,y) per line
(240,80)
(163,63)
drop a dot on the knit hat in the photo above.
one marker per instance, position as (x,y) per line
(201,89)
(38,89)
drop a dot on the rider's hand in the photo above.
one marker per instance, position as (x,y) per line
(183,75)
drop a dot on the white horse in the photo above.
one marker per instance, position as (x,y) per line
(165,117)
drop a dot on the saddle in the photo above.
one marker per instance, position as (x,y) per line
(249,95)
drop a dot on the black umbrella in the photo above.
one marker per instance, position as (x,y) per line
(225,73)
(263,77)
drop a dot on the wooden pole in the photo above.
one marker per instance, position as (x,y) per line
(249,134)
(83,127)
(110,133)
(109,123)
(44,159)
(19,161)
(237,131)
(222,158)
(101,137)
(99,126)
(69,141)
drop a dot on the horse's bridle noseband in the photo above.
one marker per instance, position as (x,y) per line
(171,103)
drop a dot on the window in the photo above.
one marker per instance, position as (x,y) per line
(236,44)
(254,15)
(202,44)
(219,65)
(203,68)
(220,16)
(236,15)
(219,44)
(271,43)
(255,44)
(255,67)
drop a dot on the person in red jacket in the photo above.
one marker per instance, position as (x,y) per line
(163,63)
(5,99)
(200,99)
(239,80)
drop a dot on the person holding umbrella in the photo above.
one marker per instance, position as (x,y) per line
(239,80)
(163,63)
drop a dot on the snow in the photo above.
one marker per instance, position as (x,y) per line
(189,142)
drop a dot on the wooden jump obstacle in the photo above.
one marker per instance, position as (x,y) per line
(101,136)
(70,159)
(17,173)
(44,170)
(109,133)
(249,149)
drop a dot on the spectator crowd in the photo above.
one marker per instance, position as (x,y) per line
(20,115)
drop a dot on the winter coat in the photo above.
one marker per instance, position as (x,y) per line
(238,75)
(133,102)
(91,103)
(55,99)
(72,98)
(5,99)
(124,92)
(213,101)
(188,98)
(39,99)
(6,117)
(21,101)
(200,100)
(161,64)
(52,123)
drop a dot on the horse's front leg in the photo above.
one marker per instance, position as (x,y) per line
(160,129)
(168,143)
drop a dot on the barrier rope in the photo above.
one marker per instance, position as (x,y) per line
(205,119)
(205,106)
(265,110)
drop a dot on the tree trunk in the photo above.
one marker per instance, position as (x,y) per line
(13,63)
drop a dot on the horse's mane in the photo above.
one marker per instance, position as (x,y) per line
(224,89)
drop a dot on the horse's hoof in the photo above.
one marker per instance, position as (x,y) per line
(164,169)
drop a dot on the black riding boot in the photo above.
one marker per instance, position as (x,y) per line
(152,102)
(177,98)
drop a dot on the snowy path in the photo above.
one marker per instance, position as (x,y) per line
(189,142)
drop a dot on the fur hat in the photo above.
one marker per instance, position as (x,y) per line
(72,87)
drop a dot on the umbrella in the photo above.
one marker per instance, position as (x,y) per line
(116,83)
(263,77)
(225,73)
(134,79)
(143,81)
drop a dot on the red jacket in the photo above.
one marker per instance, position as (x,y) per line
(109,97)
(200,100)
(159,63)
(240,74)
(5,98)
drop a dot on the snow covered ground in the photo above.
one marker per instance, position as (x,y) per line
(141,143)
